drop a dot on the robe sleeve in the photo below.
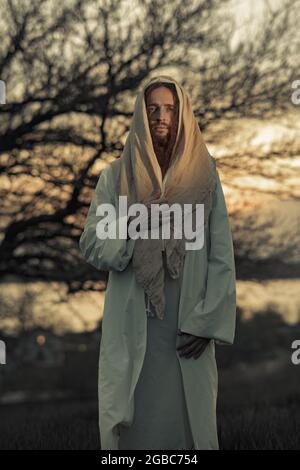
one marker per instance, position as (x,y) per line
(214,316)
(105,254)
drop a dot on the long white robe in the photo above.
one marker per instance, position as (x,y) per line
(207,308)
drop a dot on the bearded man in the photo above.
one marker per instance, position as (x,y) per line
(165,305)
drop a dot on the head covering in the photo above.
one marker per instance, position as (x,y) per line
(189,179)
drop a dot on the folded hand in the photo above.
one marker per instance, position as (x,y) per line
(191,345)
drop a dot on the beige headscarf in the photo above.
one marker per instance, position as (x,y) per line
(189,179)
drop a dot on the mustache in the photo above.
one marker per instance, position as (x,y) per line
(161,126)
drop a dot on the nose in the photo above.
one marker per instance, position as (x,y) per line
(161,114)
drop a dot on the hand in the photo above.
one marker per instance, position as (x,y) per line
(192,345)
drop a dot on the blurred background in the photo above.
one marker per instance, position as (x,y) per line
(72,71)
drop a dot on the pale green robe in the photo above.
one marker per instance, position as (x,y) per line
(207,308)
(160,419)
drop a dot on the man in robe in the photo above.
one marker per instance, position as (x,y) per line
(165,306)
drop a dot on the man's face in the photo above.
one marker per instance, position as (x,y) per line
(161,109)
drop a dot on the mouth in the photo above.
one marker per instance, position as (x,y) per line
(160,128)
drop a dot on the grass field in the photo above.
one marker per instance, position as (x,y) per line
(258,400)
(74,426)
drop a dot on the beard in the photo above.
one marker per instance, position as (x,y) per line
(163,146)
(162,141)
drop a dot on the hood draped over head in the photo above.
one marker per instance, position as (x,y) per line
(190,179)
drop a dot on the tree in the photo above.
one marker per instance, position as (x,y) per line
(72,72)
